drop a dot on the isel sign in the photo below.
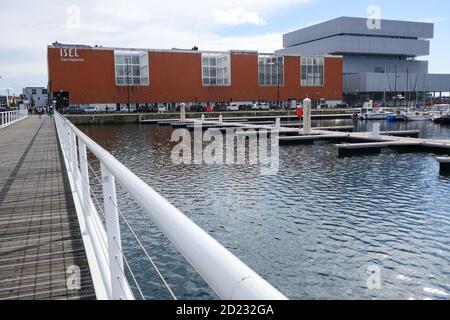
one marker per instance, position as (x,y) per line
(70,55)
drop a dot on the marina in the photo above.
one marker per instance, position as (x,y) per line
(368,142)
(335,211)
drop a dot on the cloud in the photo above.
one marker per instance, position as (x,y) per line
(132,23)
(237,16)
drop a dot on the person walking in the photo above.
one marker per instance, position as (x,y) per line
(50,111)
(39,111)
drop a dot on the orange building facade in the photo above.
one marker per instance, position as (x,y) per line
(88,75)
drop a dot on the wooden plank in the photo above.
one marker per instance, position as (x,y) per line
(39,233)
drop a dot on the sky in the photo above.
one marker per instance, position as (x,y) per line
(27,27)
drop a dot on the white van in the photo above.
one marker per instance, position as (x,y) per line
(89,108)
(124,108)
(233,107)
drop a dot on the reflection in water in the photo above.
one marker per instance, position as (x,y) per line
(312,230)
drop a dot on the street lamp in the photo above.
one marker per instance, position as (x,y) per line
(128,62)
(7,95)
(278,81)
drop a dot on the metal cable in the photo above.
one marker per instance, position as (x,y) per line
(115,240)
(129,269)
(99,180)
(145,251)
(103,245)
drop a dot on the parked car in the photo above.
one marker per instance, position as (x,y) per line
(264,106)
(275,106)
(233,107)
(195,108)
(109,109)
(74,109)
(143,108)
(126,109)
(220,107)
(162,109)
(89,109)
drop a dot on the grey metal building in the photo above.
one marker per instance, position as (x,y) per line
(376,60)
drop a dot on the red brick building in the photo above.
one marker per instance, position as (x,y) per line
(96,75)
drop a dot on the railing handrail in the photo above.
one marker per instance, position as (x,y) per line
(8,118)
(228,276)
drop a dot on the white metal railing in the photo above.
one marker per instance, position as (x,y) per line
(228,276)
(8,118)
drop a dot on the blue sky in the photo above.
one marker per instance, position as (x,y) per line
(29,26)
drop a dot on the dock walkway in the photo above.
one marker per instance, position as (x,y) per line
(368,142)
(39,233)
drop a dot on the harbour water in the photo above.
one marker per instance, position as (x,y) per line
(312,230)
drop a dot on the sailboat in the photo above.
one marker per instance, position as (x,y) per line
(418,116)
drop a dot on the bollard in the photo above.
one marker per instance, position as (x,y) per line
(307,116)
(220,118)
(203,118)
(376,134)
(444,164)
(277,123)
(183,112)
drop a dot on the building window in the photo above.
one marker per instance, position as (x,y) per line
(33,91)
(270,70)
(44,91)
(312,71)
(131,68)
(216,69)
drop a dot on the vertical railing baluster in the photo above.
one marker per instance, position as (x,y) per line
(65,136)
(112,233)
(75,172)
(70,151)
(84,178)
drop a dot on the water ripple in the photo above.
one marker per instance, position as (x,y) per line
(312,230)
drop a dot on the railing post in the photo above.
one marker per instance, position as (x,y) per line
(84,179)
(65,137)
(74,159)
(70,151)
(113,234)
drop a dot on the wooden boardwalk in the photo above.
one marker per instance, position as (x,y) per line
(39,233)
